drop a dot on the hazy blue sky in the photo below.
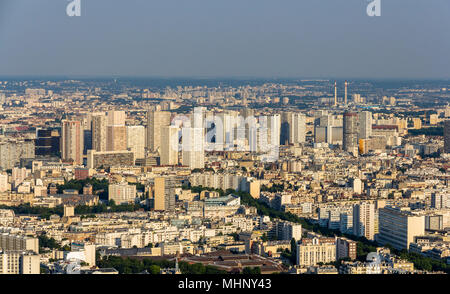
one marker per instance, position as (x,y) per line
(225,38)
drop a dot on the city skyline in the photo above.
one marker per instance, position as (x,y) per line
(299,177)
(224,145)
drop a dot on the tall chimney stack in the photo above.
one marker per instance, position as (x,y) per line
(345,99)
(335,93)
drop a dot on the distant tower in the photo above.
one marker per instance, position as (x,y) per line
(447,136)
(335,93)
(164,194)
(169,139)
(99,123)
(72,141)
(116,131)
(345,97)
(155,121)
(350,133)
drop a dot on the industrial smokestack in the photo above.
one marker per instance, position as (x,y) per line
(345,99)
(335,93)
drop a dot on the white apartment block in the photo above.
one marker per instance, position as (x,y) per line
(364,220)
(193,149)
(219,181)
(399,226)
(169,145)
(122,193)
(136,140)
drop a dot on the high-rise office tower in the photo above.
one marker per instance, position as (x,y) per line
(47,142)
(116,138)
(116,131)
(273,136)
(365,124)
(328,129)
(350,133)
(258,135)
(364,220)
(169,141)
(285,129)
(198,117)
(193,140)
(240,133)
(136,141)
(298,129)
(72,141)
(164,193)
(447,136)
(155,121)
(320,134)
(248,115)
(224,130)
(87,140)
(345,95)
(274,127)
(193,150)
(99,123)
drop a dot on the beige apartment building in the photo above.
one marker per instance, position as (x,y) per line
(19,263)
(72,141)
(116,138)
(364,220)
(107,159)
(122,193)
(169,145)
(99,123)
(311,251)
(155,121)
(164,197)
(399,226)
(136,140)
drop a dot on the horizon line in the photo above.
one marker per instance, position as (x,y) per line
(235,77)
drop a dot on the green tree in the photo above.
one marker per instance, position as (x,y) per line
(154,269)
(46,242)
